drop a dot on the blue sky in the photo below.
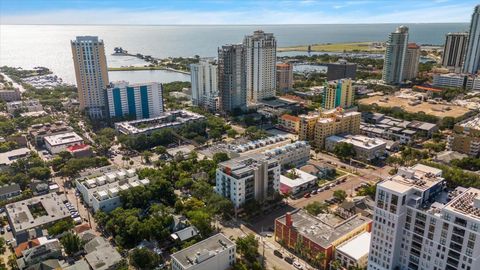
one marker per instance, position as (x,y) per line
(233,12)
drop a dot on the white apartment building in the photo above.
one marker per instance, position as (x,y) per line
(251,177)
(139,101)
(59,142)
(354,252)
(294,155)
(418,224)
(91,73)
(395,53)
(260,61)
(100,187)
(454,80)
(204,84)
(214,253)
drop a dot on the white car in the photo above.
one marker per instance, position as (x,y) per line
(297,265)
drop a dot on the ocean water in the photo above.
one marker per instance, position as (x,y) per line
(28,46)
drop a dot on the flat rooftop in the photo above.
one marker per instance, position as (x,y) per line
(244,164)
(357,247)
(324,229)
(203,250)
(168,119)
(420,176)
(9,157)
(473,122)
(36,211)
(467,203)
(301,178)
(358,141)
(64,138)
(438,110)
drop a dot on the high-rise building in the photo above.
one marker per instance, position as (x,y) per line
(246,178)
(412,59)
(338,94)
(454,51)
(395,52)
(341,70)
(284,77)
(419,224)
(137,101)
(260,60)
(231,78)
(204,84)
(92,76)
(472,57)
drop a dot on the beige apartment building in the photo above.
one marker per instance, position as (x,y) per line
(317,127)
(466,137)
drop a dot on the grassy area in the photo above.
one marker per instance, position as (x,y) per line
(336,47)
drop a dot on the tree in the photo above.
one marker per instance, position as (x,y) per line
(247,247)
(232,133)
(340,194)
(320,259)
(220,157)
(60,227)
(40,173)
(316,208)
(146,156)
(72,243)
(142,258)
(12,262)
(344,150)
(2,245)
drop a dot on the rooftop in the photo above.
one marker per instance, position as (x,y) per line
(259,143)
(242,165)
(286,148)
(358,141)
(9,157)
(168,119)
(7,189)
(357,247)
(473,122)
(289,117)
(37,211)
(324,229)
(203,250)
(467,203)
(300,179)
(421,177)
(63,138)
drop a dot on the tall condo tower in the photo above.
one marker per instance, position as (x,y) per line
(260,59)
(91,73)
(204,84)
(472,58)
(395,56)
(412,59)
(231,78)
(454,51)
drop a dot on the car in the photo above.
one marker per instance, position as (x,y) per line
(277,253)
(77,220)
(332,185)
(297,265)
(288,260)
(319,190)
(327,187)
(306,195)
(2,231)
(314,192)
(8,228)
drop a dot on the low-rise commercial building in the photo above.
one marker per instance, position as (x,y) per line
(100,188)
(366,148)
(295,181)
(138,101)
(29,217)
(466,137)
(9,191)
(246,178)
(289,123)
(29,105)
(170,119)
(38,132)
(7,158)
(9,95)
(291,155)
(354,253)
(315,128)
(216,252)
(299,230)
(59,142)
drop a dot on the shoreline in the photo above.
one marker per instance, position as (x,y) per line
(146,68)
(359,47)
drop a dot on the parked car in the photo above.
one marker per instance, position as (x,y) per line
(319,190)
(277,253)
(306,195)
(297,265)
(2,231)
(314,192)
(289,260)
(8,228)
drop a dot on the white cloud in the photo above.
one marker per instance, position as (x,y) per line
(447,13)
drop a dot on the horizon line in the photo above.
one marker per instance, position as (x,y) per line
(136,24)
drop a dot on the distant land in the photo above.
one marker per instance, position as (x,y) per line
(368,47)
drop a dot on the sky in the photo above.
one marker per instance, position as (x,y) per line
(172,12)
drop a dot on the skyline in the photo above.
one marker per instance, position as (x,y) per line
(220,12)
